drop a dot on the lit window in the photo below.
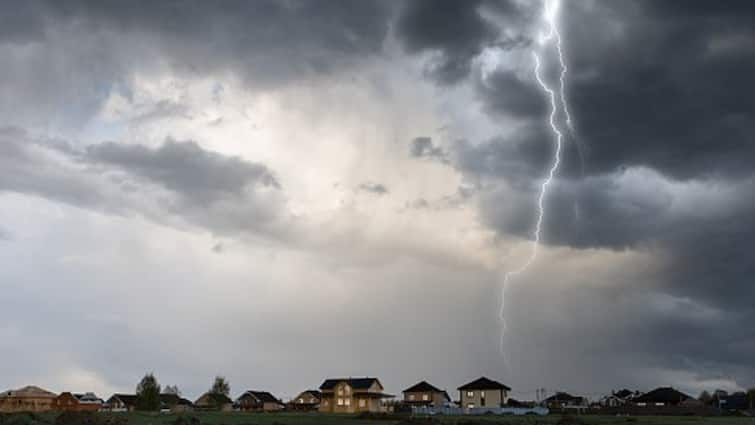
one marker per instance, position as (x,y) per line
(301,400)
(340,402)
(470,393)
(340,391)
(470,406)
(362,402)
(347,402)
(346,390)
(411,396)
(425,397)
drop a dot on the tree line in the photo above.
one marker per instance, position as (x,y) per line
(148,392)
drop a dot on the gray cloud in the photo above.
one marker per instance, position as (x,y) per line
(221,193)
(423,147)
(375,188)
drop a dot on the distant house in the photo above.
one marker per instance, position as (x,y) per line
(175,403)
(212,401)
(562,400)
(618,398)
(308,400)
(350,395)
(663,396)
(483,392)
(121,403)
(27,399)
(69,402)
(259,401)
(734,402)
(424,394)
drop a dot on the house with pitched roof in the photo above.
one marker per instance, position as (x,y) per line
(351,395)
(483,392)
(27,399)
(563,400)
(663,396)
(70,402)
(425,394)
(213,401)
(258,401)
(121,403)
(308,400)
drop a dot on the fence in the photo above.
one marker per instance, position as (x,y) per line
(517,411)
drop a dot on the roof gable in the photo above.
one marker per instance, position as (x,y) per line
(423,386)
(663,395)
(484,383)
(355,383)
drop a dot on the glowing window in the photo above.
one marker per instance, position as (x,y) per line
(411,396)
(340,402)
(425,397)
(347,402)
(362,402)
(470,393)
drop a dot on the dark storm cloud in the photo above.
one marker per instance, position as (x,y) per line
(661,95)
(453,29)
(678,98)
(60,60)
(179,178)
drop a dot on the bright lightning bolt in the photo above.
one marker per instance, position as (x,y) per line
(550,16)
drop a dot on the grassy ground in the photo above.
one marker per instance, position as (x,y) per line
(235,418)
(211,418)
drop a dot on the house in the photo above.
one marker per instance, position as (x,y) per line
(121,403)
(308,400)
(563,400)
(213,401)
(259,401)
(69,402)
(424,394)
(618,398)
(350,395)
(483,392)
(27,399)
(663,396)
(175,403)
(738,401)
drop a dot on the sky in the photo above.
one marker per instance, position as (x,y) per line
(280,192)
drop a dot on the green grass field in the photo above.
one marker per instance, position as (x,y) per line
(235,418)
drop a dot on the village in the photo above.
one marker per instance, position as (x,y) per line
(360,395)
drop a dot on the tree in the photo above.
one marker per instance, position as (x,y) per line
(705,397)
(220,386)
(172,389)
(148,393)
(219,391)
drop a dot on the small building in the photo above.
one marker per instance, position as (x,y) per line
(213,401)
(308,400)
(27,399)
(175,403)
(563,400)
(618,398)
(663,396)
(258,401)
(425,394)
(121,403)
(351,395)
(483,392)
(69,402)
